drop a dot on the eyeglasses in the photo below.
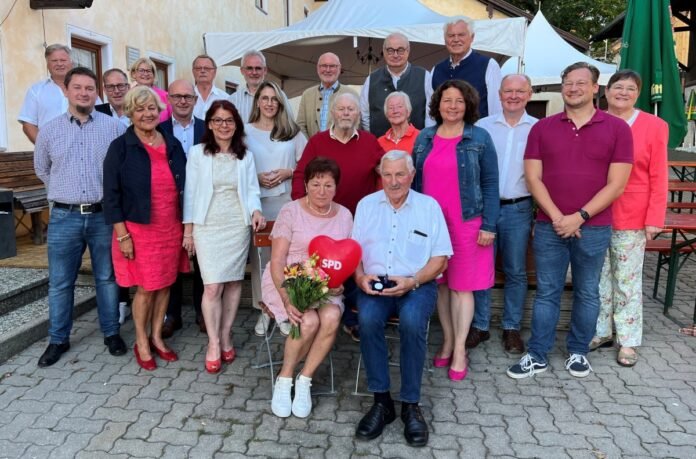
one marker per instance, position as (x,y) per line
(249,68)
(328,66)
(398,51)
(204,69)
(144,71)
(579,84)
(114,87)
(217,122)
(273,100)
(180,97)
(619,88)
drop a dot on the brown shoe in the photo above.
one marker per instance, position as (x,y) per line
(169,327)
(476,337)
(513,341)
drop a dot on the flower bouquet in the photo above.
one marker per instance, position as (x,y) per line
(307,287)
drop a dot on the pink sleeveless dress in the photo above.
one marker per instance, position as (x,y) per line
(159,255)
(471,266)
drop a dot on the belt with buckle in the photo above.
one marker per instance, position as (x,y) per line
(84,209)
(505,202)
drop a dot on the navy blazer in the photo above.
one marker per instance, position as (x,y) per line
(104,108)
(198,129)
(127,193)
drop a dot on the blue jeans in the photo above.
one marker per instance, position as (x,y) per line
(512,237)
(414,310)
(552,255)
(69,234)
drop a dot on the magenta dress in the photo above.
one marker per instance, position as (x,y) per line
(300,227)
(159,255)
(471,266)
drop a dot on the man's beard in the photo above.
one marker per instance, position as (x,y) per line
(83,109)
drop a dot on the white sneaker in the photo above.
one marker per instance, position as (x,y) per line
(262,324)
(122,312)
(281,404)
(302,404)
(284,327)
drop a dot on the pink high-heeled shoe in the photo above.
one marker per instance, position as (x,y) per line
(441,362)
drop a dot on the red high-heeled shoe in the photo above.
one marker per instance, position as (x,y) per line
(228,356)
(148,365)
(169,356)
(213,366)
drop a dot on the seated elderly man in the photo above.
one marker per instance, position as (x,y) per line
(405,246)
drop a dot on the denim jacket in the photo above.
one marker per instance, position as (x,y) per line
(477,167)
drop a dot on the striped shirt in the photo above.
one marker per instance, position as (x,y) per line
(69,156)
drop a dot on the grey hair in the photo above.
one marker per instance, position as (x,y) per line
(395,155)
(468,21)
(346,95)
(407,100)
(115,70)
(510,75)
(394,35)
(50,49)
(253,52)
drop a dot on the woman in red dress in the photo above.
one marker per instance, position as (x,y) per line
(144,176)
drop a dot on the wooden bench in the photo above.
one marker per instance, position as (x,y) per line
(17,174)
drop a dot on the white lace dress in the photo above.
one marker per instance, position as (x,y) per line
(222,243)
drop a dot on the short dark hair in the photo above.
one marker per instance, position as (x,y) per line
(204,56)
(471,100)
(320,166)
(238,146)
(581,65)
(79,71)
(115,70)
(626,74)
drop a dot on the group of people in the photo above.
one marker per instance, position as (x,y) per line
(443,176)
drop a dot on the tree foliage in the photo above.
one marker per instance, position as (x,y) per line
(583,18)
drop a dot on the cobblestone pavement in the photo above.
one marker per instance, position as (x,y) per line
(92,405)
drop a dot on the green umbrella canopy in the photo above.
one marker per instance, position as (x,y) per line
(648,48)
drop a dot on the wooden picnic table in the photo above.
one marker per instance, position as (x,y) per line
(683,235)
(683,164)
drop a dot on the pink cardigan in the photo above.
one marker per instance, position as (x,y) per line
(167,112)
(644,201)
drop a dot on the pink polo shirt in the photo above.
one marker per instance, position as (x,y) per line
(576,161)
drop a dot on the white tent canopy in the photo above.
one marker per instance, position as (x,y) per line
(347,26)
(546,54)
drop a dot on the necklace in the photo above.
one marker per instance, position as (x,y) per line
(150,141)
(316,211)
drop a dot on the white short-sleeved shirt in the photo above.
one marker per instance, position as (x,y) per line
(400,242)
(43,102)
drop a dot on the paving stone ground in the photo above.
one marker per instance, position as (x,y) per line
(93,405)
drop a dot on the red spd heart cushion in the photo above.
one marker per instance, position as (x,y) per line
(338,259)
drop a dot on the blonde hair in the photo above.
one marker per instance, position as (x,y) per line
(284,127)
(147,61)
(138,97)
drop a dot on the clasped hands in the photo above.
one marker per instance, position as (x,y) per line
(567,226)
(272,178)
(402,287)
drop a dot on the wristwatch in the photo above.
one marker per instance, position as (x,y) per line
(583,213)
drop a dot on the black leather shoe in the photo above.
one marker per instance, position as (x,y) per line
(372,424)
(476,337)
(170,326)
(115,344)
(415,428)
(52,354)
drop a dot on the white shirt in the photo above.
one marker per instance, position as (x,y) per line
(44,101)
(365,97)
(122,118)
(183,133)
(493,79)
(400,242)
(271,155)
(510,142)
(202,106)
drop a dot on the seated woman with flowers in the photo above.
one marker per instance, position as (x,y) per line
(297,224)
